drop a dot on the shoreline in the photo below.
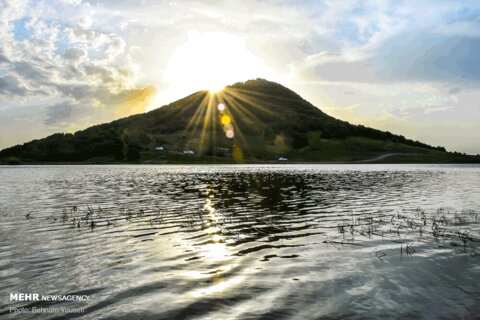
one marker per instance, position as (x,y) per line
(228,163)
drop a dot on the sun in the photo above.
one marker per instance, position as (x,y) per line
(210,61)
(214,88)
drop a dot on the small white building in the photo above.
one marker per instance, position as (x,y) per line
(282,159)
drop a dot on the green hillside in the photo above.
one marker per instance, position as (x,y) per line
(254,121)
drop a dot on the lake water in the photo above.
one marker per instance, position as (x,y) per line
(242,242)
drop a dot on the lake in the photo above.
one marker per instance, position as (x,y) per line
(241,242)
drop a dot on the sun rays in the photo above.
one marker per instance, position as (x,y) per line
(209,61)
(217,124)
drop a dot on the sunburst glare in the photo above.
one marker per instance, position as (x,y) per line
(210,61)
(214,126)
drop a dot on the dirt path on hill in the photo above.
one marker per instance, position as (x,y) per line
(383,156)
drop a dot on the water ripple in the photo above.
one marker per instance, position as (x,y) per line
(245,242)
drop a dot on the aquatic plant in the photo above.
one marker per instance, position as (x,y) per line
(446,228)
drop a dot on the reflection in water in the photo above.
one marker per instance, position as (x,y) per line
(243,241)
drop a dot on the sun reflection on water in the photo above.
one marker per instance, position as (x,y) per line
(215,253)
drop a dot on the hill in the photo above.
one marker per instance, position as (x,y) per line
(252,121)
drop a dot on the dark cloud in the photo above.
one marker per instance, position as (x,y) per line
(411,57)
(3,57)
(31,72)
(75,54)
(430,57)
(11,86)
(357,71)
(454,90)
(105,74)
(58,113)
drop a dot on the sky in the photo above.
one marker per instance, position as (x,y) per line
(409,67)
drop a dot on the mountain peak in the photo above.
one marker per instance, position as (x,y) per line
(261,84)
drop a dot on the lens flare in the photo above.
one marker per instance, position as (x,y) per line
(226,120)
(228,127)
(221,107)
(230,134)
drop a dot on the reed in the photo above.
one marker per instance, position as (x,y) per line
(442,227)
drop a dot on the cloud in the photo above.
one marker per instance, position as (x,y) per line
(75,54)
(54,61)
(405,57)
(3,57)
(429,57)
(85,22)
(12,86)
(32,72)
(59,112)
(11,9)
